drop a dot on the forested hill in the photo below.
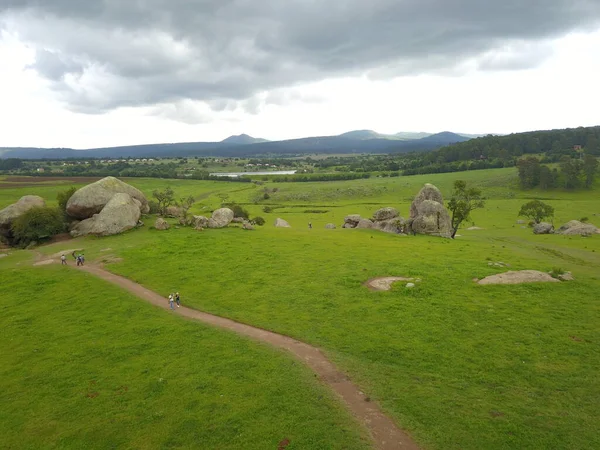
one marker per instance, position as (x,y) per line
(514,145)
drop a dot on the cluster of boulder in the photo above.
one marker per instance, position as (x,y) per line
(428,215)
(220,218)
(107,207)
(12,212)
(574,227)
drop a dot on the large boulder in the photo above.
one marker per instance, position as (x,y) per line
(280,223)
(220,218)
(174,211)
(575,227)
(161,224)
(120,214)
(432,219)
(385,214)
(12,212)
(428,214)
(91,199)
(543,228)
(200,222)
(428,192)
(352,220)
(395,226)
(364,224)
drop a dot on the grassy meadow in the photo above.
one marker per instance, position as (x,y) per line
(86,365)
(458,365)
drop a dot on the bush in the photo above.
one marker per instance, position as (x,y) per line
(584,219)
(63,197)
(258,221)
(238,211)
(153,205)
(267,209)
(266,196)
(38,224)
(556,272)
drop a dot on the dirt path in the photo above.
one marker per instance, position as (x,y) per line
(386,435)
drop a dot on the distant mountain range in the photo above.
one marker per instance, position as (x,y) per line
(358,141)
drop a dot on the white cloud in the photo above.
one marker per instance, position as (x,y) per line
(561,92)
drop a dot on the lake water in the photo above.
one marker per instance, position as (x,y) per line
(239,174)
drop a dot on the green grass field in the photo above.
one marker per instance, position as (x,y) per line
(85,365)
(458,365)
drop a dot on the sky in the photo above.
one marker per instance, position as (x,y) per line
(85,74)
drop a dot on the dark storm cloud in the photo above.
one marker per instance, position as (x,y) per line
(104,54)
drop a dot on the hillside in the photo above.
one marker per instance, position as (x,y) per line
(361,141)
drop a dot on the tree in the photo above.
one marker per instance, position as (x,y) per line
(590,167)
(63,197)
(37,224)
(185,204)
(464,200)
(164,198)
(537,211)
(529,172)
(571,170)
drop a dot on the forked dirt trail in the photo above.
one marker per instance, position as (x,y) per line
(385,434)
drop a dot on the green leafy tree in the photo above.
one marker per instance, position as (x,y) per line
(37,224)
(537,211)
(571,171)
(185,204)
(464,200)
(63,197)
(164,199)
(590,167)
(529,172)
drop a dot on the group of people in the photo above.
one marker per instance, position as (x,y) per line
(79,259)
(174,298)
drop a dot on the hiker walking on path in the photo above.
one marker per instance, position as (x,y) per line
(80,259)
(171,304)
(177,299)
(63,260)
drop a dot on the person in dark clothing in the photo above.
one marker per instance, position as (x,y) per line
(177,299)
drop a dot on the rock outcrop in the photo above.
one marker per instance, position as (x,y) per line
(543,228)
(120,214)
(384,214)
(575,227)
(161,224)
(16,210)
(364,224)
(174,211)
(91,199)
(428,214)
(280,223)
(200,222)
(394,226)
(330,226)
(220,218)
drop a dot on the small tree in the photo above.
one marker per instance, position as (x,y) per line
(37,224)
(185,204)
(537,211)
(590,167)
(463,201)
(63,198)
(164,198)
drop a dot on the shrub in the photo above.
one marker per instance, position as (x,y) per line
(556,272)
(258,221)
(153,205)
(63,197)
(267,209)
(238,211)
(266,196)
(584,219)
(38,224)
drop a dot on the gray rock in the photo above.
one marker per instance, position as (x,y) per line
(575,227)
(16,210)
(330,226)
(161,224)
(432,219)
(200,222)
(120,214)
(247,226)
(352,220)
(348,225)
(394,226)
(238,220)
(567,276)
(543,228)
(428,192)
(364,224)
(280,223)
(385,214)
(521,222)
(220,218)
(410,285)
(91,199)
(174,211)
